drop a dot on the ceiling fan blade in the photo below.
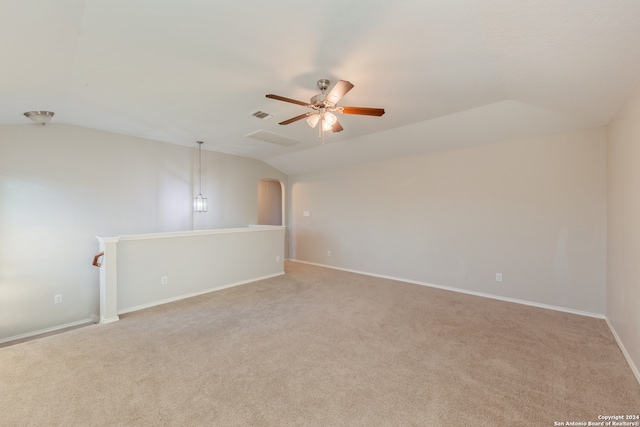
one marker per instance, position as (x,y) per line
(362,111)
(337,127)
(296,118)
(282,98)
(338,91)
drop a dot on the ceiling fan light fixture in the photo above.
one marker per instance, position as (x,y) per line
(39,117)
(330,118)
(313,120)
(324,105)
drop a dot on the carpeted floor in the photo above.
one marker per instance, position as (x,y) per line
(324,348)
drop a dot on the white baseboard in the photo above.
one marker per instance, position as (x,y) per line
(108,320)
(193,294)
(96,319)
(632,365)
(463,291)
(46,331)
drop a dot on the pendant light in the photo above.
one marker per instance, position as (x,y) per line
(200,202)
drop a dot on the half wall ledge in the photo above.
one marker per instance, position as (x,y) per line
(143,270)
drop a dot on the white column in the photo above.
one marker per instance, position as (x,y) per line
(109,280)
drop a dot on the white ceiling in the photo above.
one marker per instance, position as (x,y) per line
(449,73)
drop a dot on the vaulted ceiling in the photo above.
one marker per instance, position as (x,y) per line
(449,73)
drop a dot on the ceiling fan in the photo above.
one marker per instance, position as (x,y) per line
(324,106)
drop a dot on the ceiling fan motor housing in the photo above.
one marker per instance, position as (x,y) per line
(319,101)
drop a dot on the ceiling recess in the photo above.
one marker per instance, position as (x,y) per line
(272,138)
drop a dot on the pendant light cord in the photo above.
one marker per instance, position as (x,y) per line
(200,166)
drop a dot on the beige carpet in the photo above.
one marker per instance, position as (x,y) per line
(324,348)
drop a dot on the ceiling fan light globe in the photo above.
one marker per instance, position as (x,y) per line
(330,118)
(313,120)
(326,126)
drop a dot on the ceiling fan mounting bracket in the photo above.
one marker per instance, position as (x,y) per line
(323,84)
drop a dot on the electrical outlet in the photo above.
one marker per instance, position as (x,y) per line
(498,277)
(328,253)
(164,280)
(57,299)
(277,259)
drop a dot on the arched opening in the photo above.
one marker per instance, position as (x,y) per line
(270,202)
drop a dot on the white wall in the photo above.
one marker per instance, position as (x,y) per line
(193,263)
(533,210)
(60,186)
(623,239)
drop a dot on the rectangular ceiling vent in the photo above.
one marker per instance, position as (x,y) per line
(262,115)
(272,138)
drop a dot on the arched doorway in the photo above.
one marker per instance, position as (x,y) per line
(270,202)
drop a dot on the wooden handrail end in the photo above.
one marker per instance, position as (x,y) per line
(95,259)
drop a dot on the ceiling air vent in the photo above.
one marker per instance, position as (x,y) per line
(262,115)
(272,138)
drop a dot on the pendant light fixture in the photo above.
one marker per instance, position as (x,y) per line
(200,202)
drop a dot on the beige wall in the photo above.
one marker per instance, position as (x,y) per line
(623,242)
(533,210)
(193,263)
(60,186)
